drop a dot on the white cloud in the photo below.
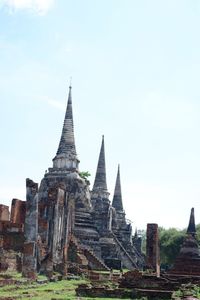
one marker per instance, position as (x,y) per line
(41,7)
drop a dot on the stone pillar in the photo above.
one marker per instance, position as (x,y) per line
(18,211)
(29,267)
(152,248)
(57,227)
(55,235)
(4,212)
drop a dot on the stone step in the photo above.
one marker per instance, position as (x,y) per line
(89,253)
(132,250)
(123,250)
(84,220)
(80,224)
(83,214)
(79,220)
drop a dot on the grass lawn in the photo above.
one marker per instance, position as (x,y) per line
(64,289)
(53,290)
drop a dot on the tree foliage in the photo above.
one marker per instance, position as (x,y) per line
(170,243)
(84,174)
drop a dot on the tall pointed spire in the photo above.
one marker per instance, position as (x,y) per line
(67,142)
(66,157)
(100,183)
(191,227)
(117,199)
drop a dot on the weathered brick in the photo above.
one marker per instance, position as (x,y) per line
(18,211)
(4,212)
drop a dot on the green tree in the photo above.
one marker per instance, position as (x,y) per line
(84,174)
(170,243)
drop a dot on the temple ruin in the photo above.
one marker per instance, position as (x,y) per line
(63,224)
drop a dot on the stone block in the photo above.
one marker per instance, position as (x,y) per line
(29,248)
(18,211)
(7,226)
(13,241)
(29,266)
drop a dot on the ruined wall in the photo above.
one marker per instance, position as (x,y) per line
(11,233)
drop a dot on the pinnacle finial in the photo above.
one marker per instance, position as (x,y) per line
(191,226)
(117,199)
(69,109)
(100,178)
(67,141)
(136,232)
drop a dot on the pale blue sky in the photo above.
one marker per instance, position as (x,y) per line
(136,71)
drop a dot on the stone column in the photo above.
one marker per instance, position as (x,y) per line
(152,248)
(29,266)
(56,230)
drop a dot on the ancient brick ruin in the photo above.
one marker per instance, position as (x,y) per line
(62,224)
(11,236)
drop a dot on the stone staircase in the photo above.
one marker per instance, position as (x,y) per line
(140,261)
(128,261)
(93,261)
(86,254)
(78,254)
(140,257)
